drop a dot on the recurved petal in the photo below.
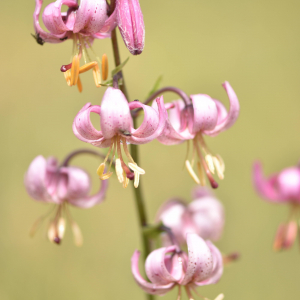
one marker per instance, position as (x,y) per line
(131,24)
(115,114)
(109,25)
(43,35)
(52,16)
(156,269)
(217,270)
(90,201)
(150,288)
(84,129)
(205,113)
(91,16)
(162,117)
(265,187)
(232,114)
(200,261)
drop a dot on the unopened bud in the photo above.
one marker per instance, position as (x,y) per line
(131,24)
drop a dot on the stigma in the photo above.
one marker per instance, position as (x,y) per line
(72,70)
(207,163)
(125,172)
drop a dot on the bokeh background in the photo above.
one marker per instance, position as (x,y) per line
(195,45)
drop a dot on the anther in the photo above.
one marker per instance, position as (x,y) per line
(191,171)
(97,76)
(65,68)
(75,70)
(104,67)
(87,67)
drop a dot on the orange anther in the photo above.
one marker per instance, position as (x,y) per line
(75,70)
(87,67)
(104,67)
(79,85)
(97,76)
(67,76)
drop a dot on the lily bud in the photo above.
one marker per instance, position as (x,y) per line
(131,24)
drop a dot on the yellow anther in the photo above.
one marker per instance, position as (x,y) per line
(219,168)
(119,170)
(52,232)
(61,227)
(75,70)
(136,168)
(221,161)
(100,169)
(126,180)
(79,85)
(97,76)
(191,171)
(201,174)
(210,163)
(104,67)
(78,239)
(220,297)
(67,76)
(136,179)
(87,67)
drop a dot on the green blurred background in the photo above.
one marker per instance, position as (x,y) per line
(195,45)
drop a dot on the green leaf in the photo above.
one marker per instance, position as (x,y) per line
(119,67)
(156,85)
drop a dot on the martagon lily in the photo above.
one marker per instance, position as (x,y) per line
(117,130)
(169,267)
(82,23)
(282,187)
(204,116)
(47,182)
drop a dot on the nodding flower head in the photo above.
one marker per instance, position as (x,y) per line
(81,23)
(45,181)
(169,267)
(131,24)
(204,216)
(117,131)
(282,187)
(204,116)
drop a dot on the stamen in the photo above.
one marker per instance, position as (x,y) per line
(78,238)
(97,76)
(79,85)
(126,180)
(219,167)
(67,76)
(87,67)
(210,163)
(136,180)
(220,297)
(61,227)
(75,70)
(201,174)
(221,162)
(119,170)
(191,171)
(136,168)
(124,142)
(104,67)
(187,289)
(112,156)
(65,68)
(52,233)
(179,292)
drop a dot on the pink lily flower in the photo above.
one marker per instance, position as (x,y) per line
(203,216)
(45,181)
(205,116)
(283,187)
(131,25)
(117,130)
(168,267)
(81,23)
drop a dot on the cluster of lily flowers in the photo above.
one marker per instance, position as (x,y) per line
(188,119)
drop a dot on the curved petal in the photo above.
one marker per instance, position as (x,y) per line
(109,25)
(160,127)
(150,288)
(265,187)
(171,135)
(35,179)
(217,270)
(207,215)
(84,129)
(52,16)
(90,201)
(45,36)
(288,183)
(201,191)
(232,114)
(115,116)
(200,261)
(205,113)
(156,269)
(131,24)
(91,16)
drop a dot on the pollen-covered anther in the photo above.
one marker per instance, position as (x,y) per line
(104,67)
(210,163)
(119,170)
(78,238)
(75,70)
(87,67)
(97,75)
(191,171)
(137,172)
(100,172)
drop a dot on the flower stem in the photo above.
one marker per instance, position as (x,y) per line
(78,152)
(139,199)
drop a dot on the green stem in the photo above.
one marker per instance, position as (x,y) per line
(139,199)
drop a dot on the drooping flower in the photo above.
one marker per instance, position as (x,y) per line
(45,181)
(205,116)
(117,130)
(131,24)
(169,267)
(204,216)
(282,187)
(82,23)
